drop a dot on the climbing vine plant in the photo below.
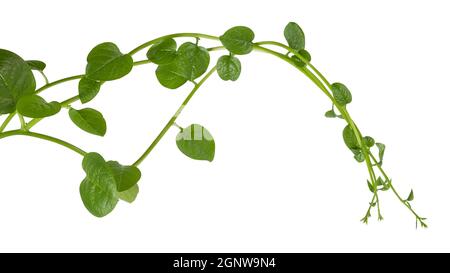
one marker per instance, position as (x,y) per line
(107,181)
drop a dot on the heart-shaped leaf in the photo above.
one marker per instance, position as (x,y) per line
(163,52)
(33,106)
(130,194)
(169,77)
(305,54)
(36,65)
(341,94)
(294,36)
(107,63)
(190,63)
(98,190)
(228,68)
(126,176)
(88,89)
(369,141)
(89,120)
(238,40)
(350,138)
(381,148)
(16,80)
(196,142)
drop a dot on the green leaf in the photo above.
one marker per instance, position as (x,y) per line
(16,80)
(305,54)
(228,68)
(368,141)
(36,65)
(341,94)
(169,77)
(350,138)
(381,148)
(88,89)
(89,120)
(359,156)
(370,186)
(238,40)
(386,185)
(163,52)
(98,190)
(190,63)
(196,142)
(130,194)
(410,196)
(294,36)
(380,181)
(330,114)
(125,176)
(33,106)
(107,63)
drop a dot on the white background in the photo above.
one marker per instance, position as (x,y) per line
(282,179)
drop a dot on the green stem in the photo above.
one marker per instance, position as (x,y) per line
(172,120)
(45,137)
(327,92)
(216,48)
(418,218)
(73,99)
(176,35)
(23,125)
(137,63)
(294,52)
(7,120)
(47,86)
(365,219)
(44,76)
(69,101)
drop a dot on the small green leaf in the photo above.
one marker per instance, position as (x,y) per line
(381,148)
(196,142)
(130,194)
(294,36)
(190,63)
(125,176)
(330,114)
(350,138)
(238,40)
(380,181)
(359,156)
(98,190)
(89,120)
(88,89)
(341,94)
(33,106)
(107,63)
(386,185)
(368,141)
(370,186)
(36,65)
(305,54)
(410,196)
(16,80)
(228,68)
(163,52)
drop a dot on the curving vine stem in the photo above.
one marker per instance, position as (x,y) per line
(107,182)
